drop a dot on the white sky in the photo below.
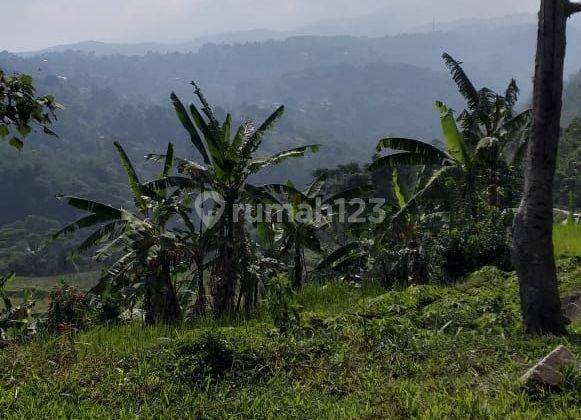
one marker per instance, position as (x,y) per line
(35,24)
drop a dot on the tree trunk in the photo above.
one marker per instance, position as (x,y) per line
(532,248)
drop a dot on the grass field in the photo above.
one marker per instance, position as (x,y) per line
(567,240)
(420,352)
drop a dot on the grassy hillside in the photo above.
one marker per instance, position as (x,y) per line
(423,352)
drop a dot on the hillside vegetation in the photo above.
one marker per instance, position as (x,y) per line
(422,351)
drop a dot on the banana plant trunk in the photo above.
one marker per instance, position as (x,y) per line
(201,305)
(299,268)
(161,302)
(532,248)
(225,274)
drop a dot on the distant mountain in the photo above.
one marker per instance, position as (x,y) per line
(477,24)
(105,48)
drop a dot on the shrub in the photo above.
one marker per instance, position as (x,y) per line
(282,304)
(210,355)
(69,310)
(476,245)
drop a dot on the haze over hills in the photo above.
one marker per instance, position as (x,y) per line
(372,25)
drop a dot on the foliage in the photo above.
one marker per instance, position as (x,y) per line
(282,305)
(489,140)
(69,310)
(299,218)
(193,361)
(20,108)
(473,245)
(228,161)
(144,248)
(13,318)
(568,177)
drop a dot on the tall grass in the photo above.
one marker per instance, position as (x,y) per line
(567,240)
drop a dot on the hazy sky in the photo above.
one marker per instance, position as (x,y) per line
(35,24)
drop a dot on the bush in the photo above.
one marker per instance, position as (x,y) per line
(282,304)
(69,310)
(476,245)
(210,355)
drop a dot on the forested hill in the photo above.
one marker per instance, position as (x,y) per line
(342,92)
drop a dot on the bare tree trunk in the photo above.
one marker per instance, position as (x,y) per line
(532,249)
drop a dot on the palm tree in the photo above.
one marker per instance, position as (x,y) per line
(228,160)
(294,231)
(147,248)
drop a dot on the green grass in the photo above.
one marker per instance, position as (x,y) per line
(420,352)
(40,287)
(567,240)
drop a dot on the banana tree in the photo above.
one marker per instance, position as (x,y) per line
(401,233)
(490,140)
(299,218)
(147,248)
(228,160)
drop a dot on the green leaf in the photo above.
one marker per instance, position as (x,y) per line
(402,159)
(452,136)
(92,206)
(134,183)
(337,255)
(173,182)
(398,190)
(226,129)
(101,234)
(266,125)
(417,152)
(169,161)
(465,86)
(316,186)
(88,221)
(277,158)
(349,193)
(4,131)
(434,186)
(23,129)
(265,234)
(184,118)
